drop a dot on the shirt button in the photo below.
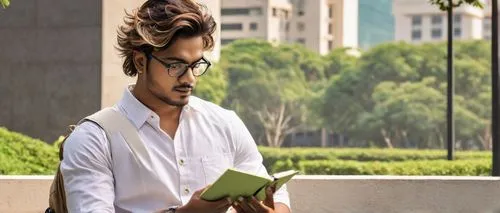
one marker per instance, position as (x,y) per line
(181,162)
(186,190)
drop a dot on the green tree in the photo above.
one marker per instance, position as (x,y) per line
(212,86)
(267,86)
(353,102)
(412,114)
(444,4)
(404,111)
(338,60)
(5,3)
(349,94)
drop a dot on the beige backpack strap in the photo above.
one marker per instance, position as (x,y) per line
(113,122)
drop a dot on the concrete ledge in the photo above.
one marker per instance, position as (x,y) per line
(24,194)
(395,194)
(322,194)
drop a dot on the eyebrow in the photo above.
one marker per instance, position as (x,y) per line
(180,59)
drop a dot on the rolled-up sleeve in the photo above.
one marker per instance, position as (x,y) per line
(87,170)
(248,158)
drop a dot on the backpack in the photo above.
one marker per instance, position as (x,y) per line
(112,122)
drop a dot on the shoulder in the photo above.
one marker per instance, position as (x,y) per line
(87,138)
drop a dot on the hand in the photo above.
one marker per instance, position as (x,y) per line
(252,205)
(198,205)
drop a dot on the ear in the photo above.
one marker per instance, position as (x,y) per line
(140,61)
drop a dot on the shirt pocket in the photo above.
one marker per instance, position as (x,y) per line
(215,165)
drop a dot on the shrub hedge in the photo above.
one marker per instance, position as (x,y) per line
(22,155)
(480,167)
(314,161)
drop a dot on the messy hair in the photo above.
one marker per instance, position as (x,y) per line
(158,23)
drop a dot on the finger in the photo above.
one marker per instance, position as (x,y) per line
(222,203)
(223,207)
(269,201)
(199,191)
(237,207)
(273,187)
(259,206)
(215,205)
(244,206)
(254,207)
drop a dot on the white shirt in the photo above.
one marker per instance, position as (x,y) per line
(209,140)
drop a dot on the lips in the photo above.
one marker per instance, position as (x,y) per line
(183,90)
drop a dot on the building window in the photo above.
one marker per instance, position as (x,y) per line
(301,41)
(330,44)
(255,11)
(240,11)
(416,35)
(330,28)
(287,26)
(436,33)
(416,20)
(457,19)
(437,20)
(330,10)
(301,26)
(226,41)
(300,7)
(253,26)
(457,32)
(237,26)
(280,13)
(487,28)
(487,24)
(283,26)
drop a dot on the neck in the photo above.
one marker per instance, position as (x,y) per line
(165,111)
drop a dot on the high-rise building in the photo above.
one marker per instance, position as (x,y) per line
(487,20)
(376,22)
(320,25)
(214,7)
(260,19)
(418,21)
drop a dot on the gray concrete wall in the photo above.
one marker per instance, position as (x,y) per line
(325,194)
(50,65)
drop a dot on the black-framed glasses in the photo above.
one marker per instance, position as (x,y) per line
(177,69)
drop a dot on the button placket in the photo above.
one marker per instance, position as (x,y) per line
(182,164)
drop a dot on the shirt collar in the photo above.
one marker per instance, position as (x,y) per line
(139,113)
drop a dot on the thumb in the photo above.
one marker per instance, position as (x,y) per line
(269,201)
(201,190)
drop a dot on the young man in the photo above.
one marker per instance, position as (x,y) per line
(191,141)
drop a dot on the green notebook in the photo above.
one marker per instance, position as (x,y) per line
(233,183)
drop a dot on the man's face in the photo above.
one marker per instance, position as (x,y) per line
(170,89)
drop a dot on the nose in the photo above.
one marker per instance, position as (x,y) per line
(187,77)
